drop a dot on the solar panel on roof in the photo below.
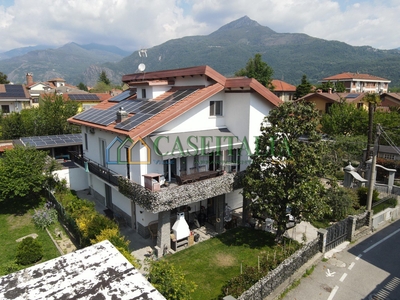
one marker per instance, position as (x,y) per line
(352,95)
(124,95)
(83,97)
(14,91)
(52,140)
(141,108)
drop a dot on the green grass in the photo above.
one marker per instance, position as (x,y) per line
(210,264)
(14,226)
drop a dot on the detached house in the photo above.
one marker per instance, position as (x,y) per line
(284,90)
(325,100)
(14,98)
(175,141)
(360,83)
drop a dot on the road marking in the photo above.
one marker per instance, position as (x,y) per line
(382,240)
(329,273)
(358,257)
(343,277)
(351,265)
(335,289)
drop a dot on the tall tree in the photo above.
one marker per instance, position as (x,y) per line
(3,78)
(103,78)
(82,86)
(304,88)
(259,70)
(55,111)
(285,171)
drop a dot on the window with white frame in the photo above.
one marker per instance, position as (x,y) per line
(216,108)
(388,156)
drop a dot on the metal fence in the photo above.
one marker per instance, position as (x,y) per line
(337,234)
(68,222)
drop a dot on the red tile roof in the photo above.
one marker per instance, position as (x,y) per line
(281,86)
(218,84)
(354,76)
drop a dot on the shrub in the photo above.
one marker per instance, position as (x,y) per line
(29,251)
(342,202)
(170,281)
(91,225)
(45,216)
(362,193)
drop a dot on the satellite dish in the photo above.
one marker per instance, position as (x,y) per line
(142,67)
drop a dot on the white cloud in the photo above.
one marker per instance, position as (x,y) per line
(132,25)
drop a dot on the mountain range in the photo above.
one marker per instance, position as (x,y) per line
(226,50)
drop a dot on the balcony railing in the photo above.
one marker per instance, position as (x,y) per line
(178,195)
(95,168)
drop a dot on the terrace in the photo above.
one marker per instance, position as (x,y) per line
(202,186)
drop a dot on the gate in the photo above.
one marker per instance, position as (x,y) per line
(337,234)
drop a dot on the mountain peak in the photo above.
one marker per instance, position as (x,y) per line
(242,22)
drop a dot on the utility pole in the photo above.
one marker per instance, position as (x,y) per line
(372,173)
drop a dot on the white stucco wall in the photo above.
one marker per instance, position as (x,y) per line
(77,178)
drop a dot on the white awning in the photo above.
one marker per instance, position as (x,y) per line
(194,142)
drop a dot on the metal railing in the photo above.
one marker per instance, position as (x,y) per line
(95,168)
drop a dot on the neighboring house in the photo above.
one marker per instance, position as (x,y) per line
(324,100)
(390,100)
(283,90)
(185,127)
(360,83)
(14,98)
(389,152)
(60,87)
(86,100)
(99,271)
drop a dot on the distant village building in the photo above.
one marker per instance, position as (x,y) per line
(360,83)
(283,90)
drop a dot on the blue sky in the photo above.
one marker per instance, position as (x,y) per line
(136,24)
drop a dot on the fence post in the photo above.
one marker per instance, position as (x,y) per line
(322,234)
(352,228)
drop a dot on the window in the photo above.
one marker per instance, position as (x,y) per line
(103,148)
(143,93)
(215,108)
(388,156)
(5,109)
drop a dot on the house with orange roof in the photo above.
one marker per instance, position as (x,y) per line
(360,83)
(323,100)
(283,90)
(173,144)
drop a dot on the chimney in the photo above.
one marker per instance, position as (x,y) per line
(29,79)
(330,90)
(121,115)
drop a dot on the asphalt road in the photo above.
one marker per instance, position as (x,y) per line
(368,269)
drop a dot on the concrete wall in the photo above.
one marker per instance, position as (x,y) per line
(77,178)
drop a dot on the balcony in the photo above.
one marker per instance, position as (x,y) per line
(95,168)
(174,196)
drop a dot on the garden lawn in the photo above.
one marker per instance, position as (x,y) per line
(13,227)
(210,264)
